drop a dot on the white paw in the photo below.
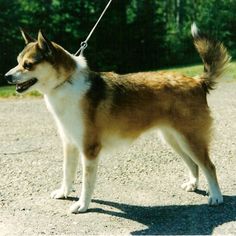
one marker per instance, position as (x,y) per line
(59,193)
(78,207)
(215,200)
(189,186)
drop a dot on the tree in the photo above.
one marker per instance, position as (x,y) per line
(134,35)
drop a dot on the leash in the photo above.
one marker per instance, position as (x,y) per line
(84,44)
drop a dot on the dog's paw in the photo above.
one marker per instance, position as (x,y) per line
(59,194)
(215,200)
(189,186)
(78,207)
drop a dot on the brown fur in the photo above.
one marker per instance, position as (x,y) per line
(60,60)
(128,105)
(131,104)
(215,58)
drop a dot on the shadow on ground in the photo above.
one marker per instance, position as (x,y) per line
(169,220)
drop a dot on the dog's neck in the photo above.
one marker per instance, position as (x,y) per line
(67,94)
(76,83)
(80,69)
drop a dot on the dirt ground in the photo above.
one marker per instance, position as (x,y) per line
(138,189)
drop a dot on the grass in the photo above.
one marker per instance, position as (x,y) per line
(189,70)
(9,91)
(198,70)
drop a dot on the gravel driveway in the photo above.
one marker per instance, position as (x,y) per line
(138,189)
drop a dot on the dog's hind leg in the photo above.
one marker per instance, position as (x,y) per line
(71,157)
(89,160)
(196,146)
(172,138)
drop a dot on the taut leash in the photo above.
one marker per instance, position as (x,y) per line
(84,44)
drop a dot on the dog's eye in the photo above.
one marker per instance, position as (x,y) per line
(27,65)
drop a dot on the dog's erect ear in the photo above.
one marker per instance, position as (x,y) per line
(27,37)
(44,44)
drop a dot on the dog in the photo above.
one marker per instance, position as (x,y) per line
(95,110)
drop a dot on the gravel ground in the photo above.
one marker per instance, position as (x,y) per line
(138,189)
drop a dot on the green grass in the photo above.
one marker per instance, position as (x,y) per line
(198,70)
(189,70)
(232,70)
(9,91)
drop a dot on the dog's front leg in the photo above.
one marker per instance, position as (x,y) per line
(69,170)
(90,167)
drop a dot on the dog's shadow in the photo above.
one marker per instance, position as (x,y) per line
(174,219)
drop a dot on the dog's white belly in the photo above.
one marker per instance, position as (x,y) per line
(114,142)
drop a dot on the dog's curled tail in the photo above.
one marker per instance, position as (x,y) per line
(214,56)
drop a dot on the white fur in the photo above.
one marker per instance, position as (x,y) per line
(88,183)
(182,147)
(12,71)
(64,104)
(194,30)
(69,170)
(176,141)
(81,62)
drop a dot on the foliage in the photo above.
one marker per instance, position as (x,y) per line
(134,35)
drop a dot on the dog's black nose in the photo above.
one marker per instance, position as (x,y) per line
(9,79)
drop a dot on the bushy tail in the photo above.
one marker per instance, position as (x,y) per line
(214,56)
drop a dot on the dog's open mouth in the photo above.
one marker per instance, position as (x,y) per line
(24,86)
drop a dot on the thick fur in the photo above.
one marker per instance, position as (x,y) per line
(96,111)
(214,56)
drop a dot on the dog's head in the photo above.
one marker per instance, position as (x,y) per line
(42,65)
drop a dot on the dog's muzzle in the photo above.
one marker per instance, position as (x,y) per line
(20,87)
(9,79)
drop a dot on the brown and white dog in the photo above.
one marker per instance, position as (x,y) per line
(93,110)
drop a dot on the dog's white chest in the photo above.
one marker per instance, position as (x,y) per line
(66,110)
(69,120)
